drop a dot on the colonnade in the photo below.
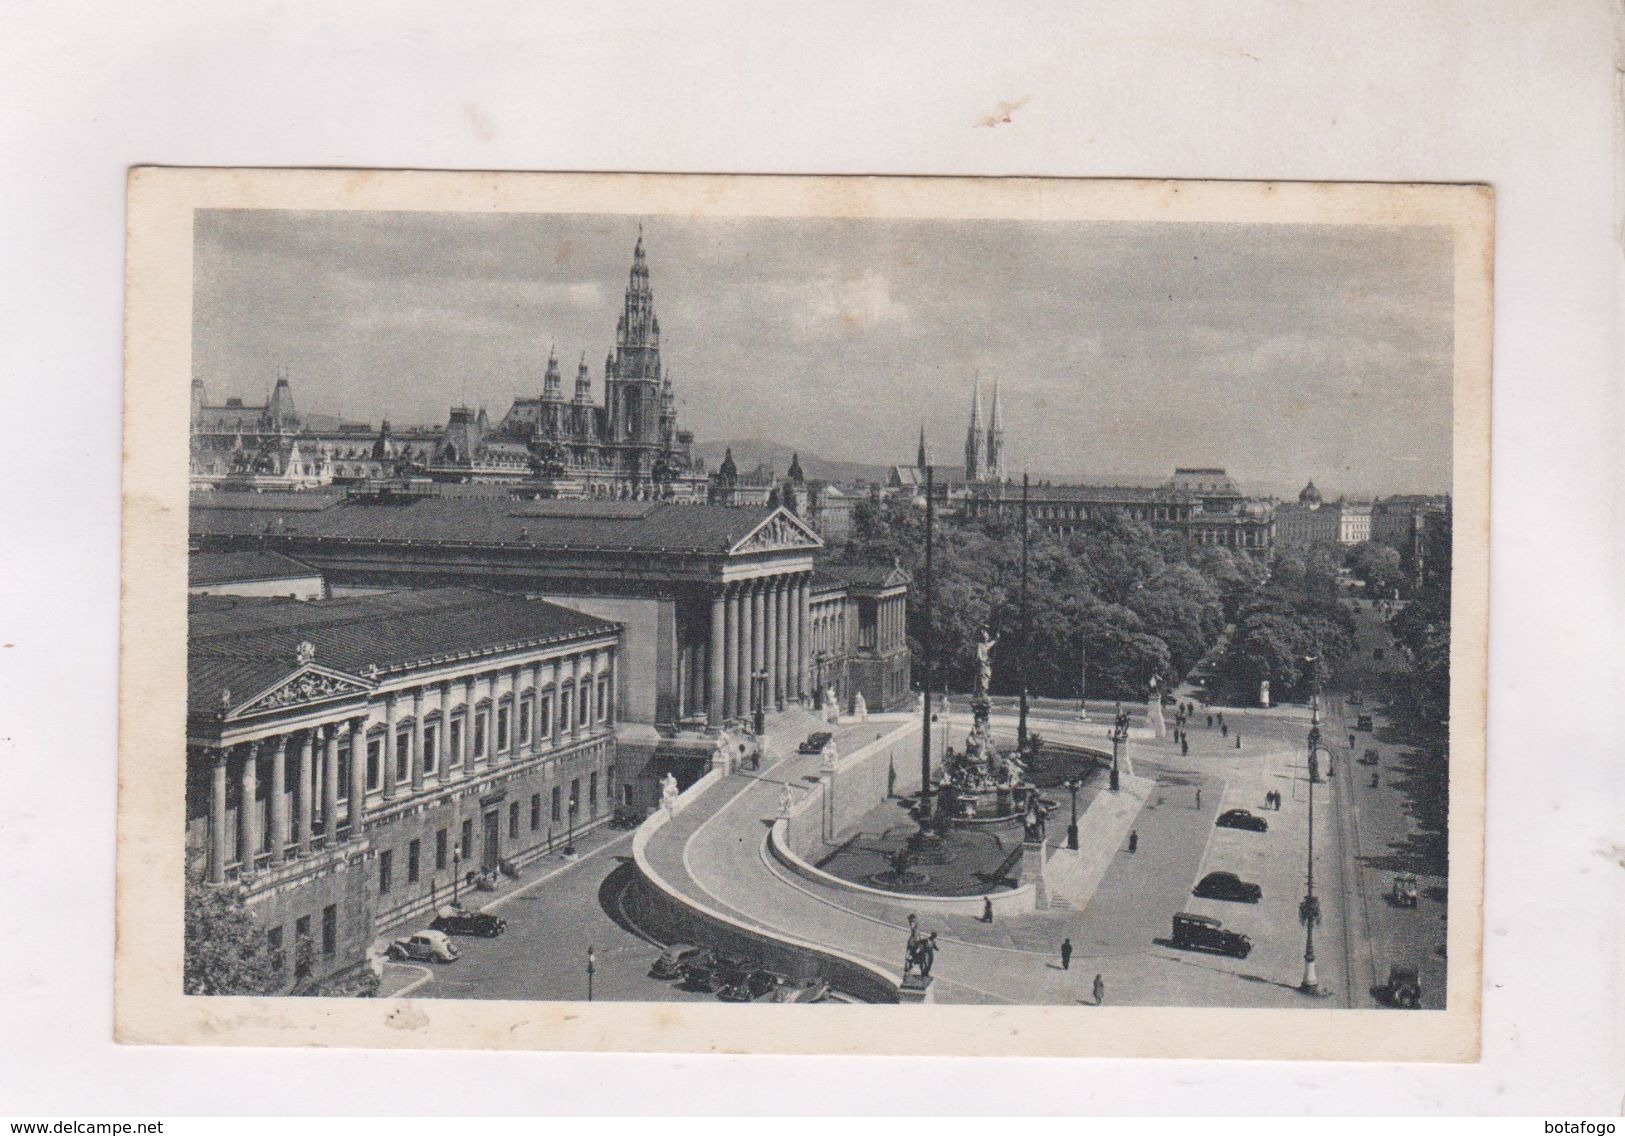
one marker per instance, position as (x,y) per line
(761,628)
(442,730)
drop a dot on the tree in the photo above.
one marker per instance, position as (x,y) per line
(1378,565)
(225,949)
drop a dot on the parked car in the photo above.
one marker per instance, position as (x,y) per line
(1228,885)
(458,922)
(1201,933)
(1356,699)
(626,817)
(1363,722)
(813,990)
(676,958)
(1371,757)
(427,946)
(1404,987)
(713,973)
(750,986)
(1241,818)
(1404,890)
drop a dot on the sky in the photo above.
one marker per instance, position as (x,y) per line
(1280,352)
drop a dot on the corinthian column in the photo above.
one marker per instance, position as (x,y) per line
(715,666)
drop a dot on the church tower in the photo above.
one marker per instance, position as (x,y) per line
(995,442)
(973,436)
(633,383)
(919,462)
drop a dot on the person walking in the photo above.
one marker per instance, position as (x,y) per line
(1238,741)
(1066,954)
(1224,730)
(1198,798)
(1210,721)
(1184,747)
(1351,741)
(987,909)
(1133,841)
(1100,990)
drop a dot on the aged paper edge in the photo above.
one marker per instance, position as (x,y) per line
(149,1007)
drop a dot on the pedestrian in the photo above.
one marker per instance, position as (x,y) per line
(1210,721)
(987,909)
(1184,747)
(1133,841)
(1351,741)
(1238,741)
(1224,730)
(1100,990)
(1066,954)
(1198,798)
(1221,717)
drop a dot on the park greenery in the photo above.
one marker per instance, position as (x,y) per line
(1131,602)
(225,949)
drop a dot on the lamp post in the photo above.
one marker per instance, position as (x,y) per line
(1309,909)
(592,961)
(1021,720)
(456,874)
(1072,829)
(927,645)
(1119,736)
(570,840)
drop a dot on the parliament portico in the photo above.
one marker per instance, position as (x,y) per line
(714,602)
(351,761)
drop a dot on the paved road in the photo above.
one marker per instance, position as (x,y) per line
(543,954)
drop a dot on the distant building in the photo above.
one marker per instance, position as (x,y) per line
(1315,521)
(1401,522)
(1203,506)
(859,621)
(549,446)
(351,761)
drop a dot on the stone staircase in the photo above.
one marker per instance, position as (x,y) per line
(1103,829)
(787,729)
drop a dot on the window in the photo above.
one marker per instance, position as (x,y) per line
(403,755)
(544,716)
(303,947)
(479,733)
(555,813)
(330,930)
(524,721)
(454,755)
(344,771)
(535,811)
(603,700)
(592,794)
(431,751)
(609,782)
(565,699)
(412,855)
(385,863)
(274,951)
(468,840)
(575,795)
(513,820)
(375,763)
(584,716)
(502,728)
(440,850)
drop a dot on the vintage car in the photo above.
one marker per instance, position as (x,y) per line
(1241,818)
(425,946)
(675,959)
(1363,722)
(456,921)
(1227,885)
(1370,757)
(1403,893)
(712,973)
(750,986)
(1404,987)
(813,990)
(1201,933)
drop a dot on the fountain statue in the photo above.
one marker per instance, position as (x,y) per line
(984,664)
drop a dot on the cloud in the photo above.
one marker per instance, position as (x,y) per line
(854,303)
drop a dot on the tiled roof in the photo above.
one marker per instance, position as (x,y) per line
(247,645)
(868,575)
(265,502)
(490,521)
(238,567)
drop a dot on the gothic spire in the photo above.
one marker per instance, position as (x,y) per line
(995,440)
(919,462)
(974,435)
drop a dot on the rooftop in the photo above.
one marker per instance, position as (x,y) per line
(247,645)
(240,567)
(632,526)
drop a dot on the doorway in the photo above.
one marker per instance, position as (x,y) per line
(492,851)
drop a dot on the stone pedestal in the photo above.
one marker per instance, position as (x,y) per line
(1032,871)
(915,990)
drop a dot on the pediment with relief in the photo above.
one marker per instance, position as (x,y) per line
(781,531)
(310,684)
